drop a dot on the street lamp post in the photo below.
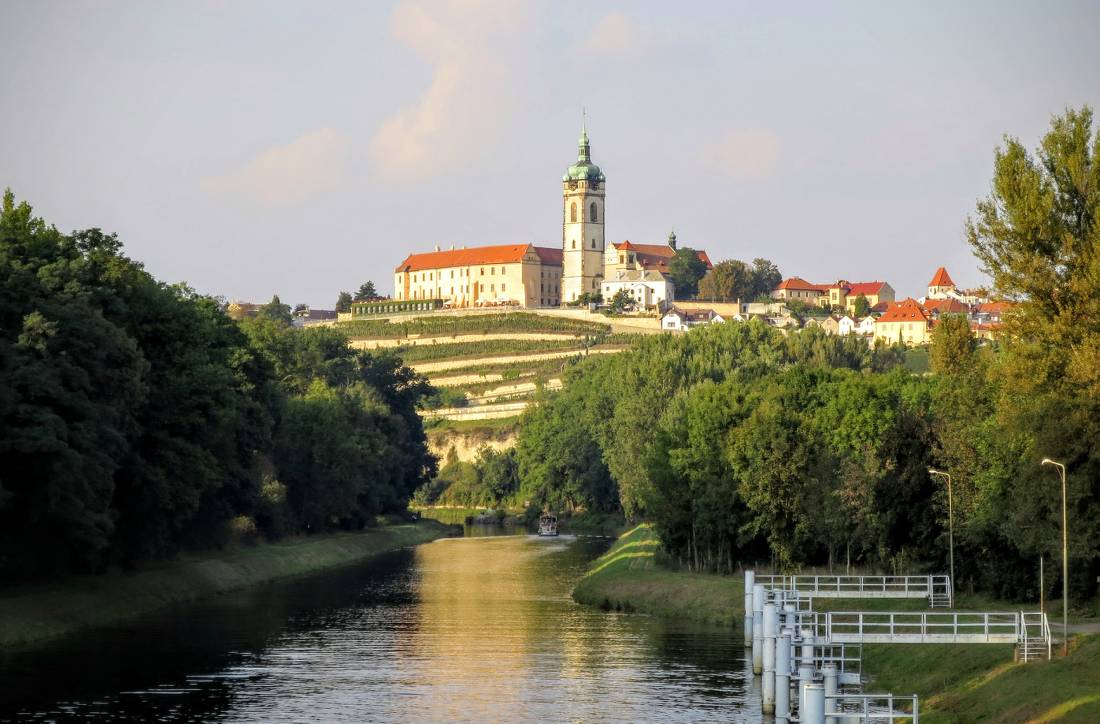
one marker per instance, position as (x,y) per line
(950,527)
(1065,557)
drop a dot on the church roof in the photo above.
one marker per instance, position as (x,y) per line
(504,254)
(657,256)
(583,169)
(941,279)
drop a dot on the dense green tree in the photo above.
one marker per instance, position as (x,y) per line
(1037,237)
(620,301)
(276,311)
(343,302)
(729,279)
(498,474)
(685,270)
(861,307)
(366,292)
(137,419)
(765,278)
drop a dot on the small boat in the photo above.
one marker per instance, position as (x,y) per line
(548,524)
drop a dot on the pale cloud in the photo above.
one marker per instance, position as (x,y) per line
(617,34)
(746,154)
(470,45)
(306,167)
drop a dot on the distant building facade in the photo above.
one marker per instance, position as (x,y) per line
(522,275)
(841,294)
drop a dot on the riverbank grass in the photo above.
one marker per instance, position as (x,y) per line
(630,577)
(32,614)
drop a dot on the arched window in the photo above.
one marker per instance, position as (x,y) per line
(592,212)
(573,213)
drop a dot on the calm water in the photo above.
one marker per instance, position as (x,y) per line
(478,628)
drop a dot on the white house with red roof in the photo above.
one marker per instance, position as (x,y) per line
(904,322)
(679,320)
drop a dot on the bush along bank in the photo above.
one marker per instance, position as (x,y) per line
(38,613)
(630,577)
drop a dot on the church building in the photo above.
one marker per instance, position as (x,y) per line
(536,276)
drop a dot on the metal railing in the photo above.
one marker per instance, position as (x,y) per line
(873,707)
(1034,635)
(848,659)
(860,586)
(920,627)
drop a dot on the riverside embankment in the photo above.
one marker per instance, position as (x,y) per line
(628,578)
(956,683)
(34,614)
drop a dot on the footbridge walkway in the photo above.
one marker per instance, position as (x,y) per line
(935,589)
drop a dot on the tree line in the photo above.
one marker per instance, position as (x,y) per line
(137,419)
(742,444)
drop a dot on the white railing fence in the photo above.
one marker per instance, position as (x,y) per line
(873,707)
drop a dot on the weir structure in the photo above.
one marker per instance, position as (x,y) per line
(811,661)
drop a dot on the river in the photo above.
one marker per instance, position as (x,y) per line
(476,628)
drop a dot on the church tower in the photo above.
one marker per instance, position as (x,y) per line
(582,225)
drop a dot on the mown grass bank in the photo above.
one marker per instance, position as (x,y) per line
(34,614)
(629,578)
(967,683)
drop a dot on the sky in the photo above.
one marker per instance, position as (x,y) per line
(301,148)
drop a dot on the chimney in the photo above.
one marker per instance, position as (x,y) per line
(452,247)
(437,247)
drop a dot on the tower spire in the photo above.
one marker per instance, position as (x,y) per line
(584,153)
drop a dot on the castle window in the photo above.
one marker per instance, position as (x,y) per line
(502,287)
(593,243)
(592,212)
(493,270)
(573,213)
(574,243)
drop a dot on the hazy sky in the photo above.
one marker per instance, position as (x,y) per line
(300,148)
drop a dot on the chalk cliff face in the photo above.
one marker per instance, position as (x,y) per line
(466,443)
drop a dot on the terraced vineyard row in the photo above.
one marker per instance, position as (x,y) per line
(470,324)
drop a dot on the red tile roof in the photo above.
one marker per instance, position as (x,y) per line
(549,255)
(995,307)
(941,279)
(865,288)
(506,254)
(657,256)
(945,306)
(798,283)
(906,310)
